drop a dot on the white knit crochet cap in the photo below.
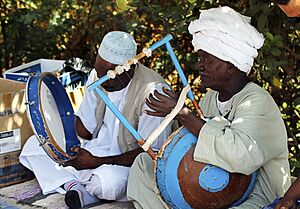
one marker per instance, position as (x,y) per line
(117,47)
(227,35)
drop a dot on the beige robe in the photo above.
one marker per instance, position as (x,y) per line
(249,136)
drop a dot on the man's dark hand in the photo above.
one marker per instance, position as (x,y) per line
(162,105)
(287,203)
(83,160)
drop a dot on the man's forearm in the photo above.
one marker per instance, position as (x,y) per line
(190,120)
(125,159)
(294,190)
(81,130)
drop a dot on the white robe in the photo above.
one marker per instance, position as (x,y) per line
(113,178)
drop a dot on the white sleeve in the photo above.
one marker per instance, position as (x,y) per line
(87,109)
(148,124)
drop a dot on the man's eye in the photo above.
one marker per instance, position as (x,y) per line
(203,59)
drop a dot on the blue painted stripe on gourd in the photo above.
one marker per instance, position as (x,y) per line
(249,190)
(161,167)
(168,181)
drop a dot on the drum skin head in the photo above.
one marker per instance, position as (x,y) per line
(185,183)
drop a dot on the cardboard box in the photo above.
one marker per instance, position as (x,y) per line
(15,129)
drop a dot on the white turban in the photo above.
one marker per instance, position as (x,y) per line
(227,35)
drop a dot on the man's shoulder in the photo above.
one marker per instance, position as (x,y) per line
(250,93)
(257,99)
(254,91)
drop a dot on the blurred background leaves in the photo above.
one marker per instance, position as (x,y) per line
(56,29)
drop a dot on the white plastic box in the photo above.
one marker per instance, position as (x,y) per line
(22,72)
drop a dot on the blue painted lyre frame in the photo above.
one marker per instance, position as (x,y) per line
(124,121)
(112,107)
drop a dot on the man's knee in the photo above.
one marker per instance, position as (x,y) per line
(114,189)
(143,163)
(110,183)
(32,142)
(32,147)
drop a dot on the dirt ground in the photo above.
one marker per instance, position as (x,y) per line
(28,195)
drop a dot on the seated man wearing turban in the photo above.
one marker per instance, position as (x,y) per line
(244,132)
(100,170)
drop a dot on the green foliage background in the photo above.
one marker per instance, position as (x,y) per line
(57,29)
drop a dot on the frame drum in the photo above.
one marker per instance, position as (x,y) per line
(185,183)
(51,116)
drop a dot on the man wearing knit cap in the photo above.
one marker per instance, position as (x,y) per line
(100,170)
(244,131)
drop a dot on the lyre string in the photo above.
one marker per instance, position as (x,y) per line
(130,77)
(121,81)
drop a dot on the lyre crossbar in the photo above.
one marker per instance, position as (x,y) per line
(111,74)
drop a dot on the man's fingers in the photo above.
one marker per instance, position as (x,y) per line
(157,114)
(160,96)
(170,93)
(290,204)
(149,104)
(286,205)
(154,101)
(68,163)
(75,149)
(153,107)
